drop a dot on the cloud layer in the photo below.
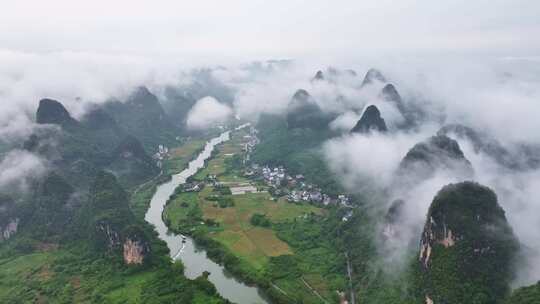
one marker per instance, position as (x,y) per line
(17,168)
(207,112)
(290,28)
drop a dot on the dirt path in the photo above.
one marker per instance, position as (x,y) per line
(315,292)
(139,187)
(349,274)
(279,289)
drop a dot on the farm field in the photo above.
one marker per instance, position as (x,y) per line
(253,244)
(182,155)
(292,231)
(225,153)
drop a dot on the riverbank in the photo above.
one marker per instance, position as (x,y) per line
(292,249)
(195,260)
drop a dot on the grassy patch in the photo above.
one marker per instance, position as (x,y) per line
(181,156)
(291,251)
(69,275)
(252,244)
(140,199)
(224,153)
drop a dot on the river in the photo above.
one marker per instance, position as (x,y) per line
(193,258)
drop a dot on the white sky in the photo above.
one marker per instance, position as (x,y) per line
(264,29)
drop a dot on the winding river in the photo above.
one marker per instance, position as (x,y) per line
(193,258)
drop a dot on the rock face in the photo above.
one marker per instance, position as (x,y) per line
(370,121)
(134,251)
(46,214)
(52,112)
(112,225)
(9,229)
(467,247)
(9,220)
(372,76)
(436,153)
(7,209)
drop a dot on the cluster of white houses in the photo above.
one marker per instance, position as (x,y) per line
(294,186)
(279,181)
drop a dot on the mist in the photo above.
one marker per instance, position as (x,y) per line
(499,99)
(207,112)
(477,66)
(18,168)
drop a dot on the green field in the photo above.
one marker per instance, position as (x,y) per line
(252,244)
(178,161)
(182,155)
(223,154)
(45,273)
(294,232)
(72,271)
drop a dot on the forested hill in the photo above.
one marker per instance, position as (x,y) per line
(72,237)
(79,149)
(468,250)
(142,116)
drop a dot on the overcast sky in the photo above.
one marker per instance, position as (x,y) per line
(256,29)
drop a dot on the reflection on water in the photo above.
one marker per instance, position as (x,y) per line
(194,258)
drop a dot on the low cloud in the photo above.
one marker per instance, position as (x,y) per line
(207,112)
(496,95)
(18,168)
(345,122)
(518,193)
(370,160)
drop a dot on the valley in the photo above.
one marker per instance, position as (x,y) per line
(133,208)
(267,152)
(222,219)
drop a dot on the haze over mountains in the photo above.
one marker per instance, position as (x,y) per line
(393,141)
(396,150)
(409,129)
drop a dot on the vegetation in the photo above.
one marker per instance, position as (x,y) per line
(472,247)
(225,161)
(296,149)
(72,275)
(75,222)
(69,245)
(83,148)
(182,155)
(259,235)
(261,220)
(525,295)
(143,117)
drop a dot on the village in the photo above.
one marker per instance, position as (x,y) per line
(275,180)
